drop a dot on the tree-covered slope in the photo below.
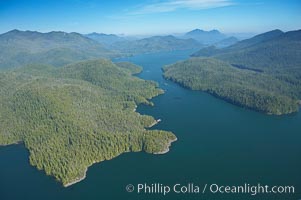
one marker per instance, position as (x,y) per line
(274,53)
(229,41)
(131,67)
(105,39)
(155,44)
(74,116)
(267,75)
(255,90)
(261,38)
(56,48)
(279,55)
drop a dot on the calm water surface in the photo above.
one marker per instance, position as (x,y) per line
(217,143)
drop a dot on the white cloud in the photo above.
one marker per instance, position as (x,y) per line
(173,5)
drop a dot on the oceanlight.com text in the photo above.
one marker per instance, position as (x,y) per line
(193,188)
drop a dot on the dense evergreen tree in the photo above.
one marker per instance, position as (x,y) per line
(256,90)
(262,73)
(55,48)
(74,116)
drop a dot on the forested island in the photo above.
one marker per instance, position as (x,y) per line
(262,73)
(76,115)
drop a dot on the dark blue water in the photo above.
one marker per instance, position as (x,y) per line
(217,143)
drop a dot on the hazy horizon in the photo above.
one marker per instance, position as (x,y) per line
(238,34)
(150,17)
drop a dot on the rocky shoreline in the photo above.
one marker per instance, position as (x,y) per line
(77,180)
(167,147)
(84,176)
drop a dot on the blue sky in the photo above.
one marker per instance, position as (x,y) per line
(146,17)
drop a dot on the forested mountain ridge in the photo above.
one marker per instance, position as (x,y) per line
(155,44)
(258,91)
(105,39)
(132,68)
(262,73)
(260,38)
(280,57)
(55,48)
(226,42)
(76,115)
(264,37)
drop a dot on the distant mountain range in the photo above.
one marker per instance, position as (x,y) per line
(56,48)
(59,48)
(205,37)
(194,39)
